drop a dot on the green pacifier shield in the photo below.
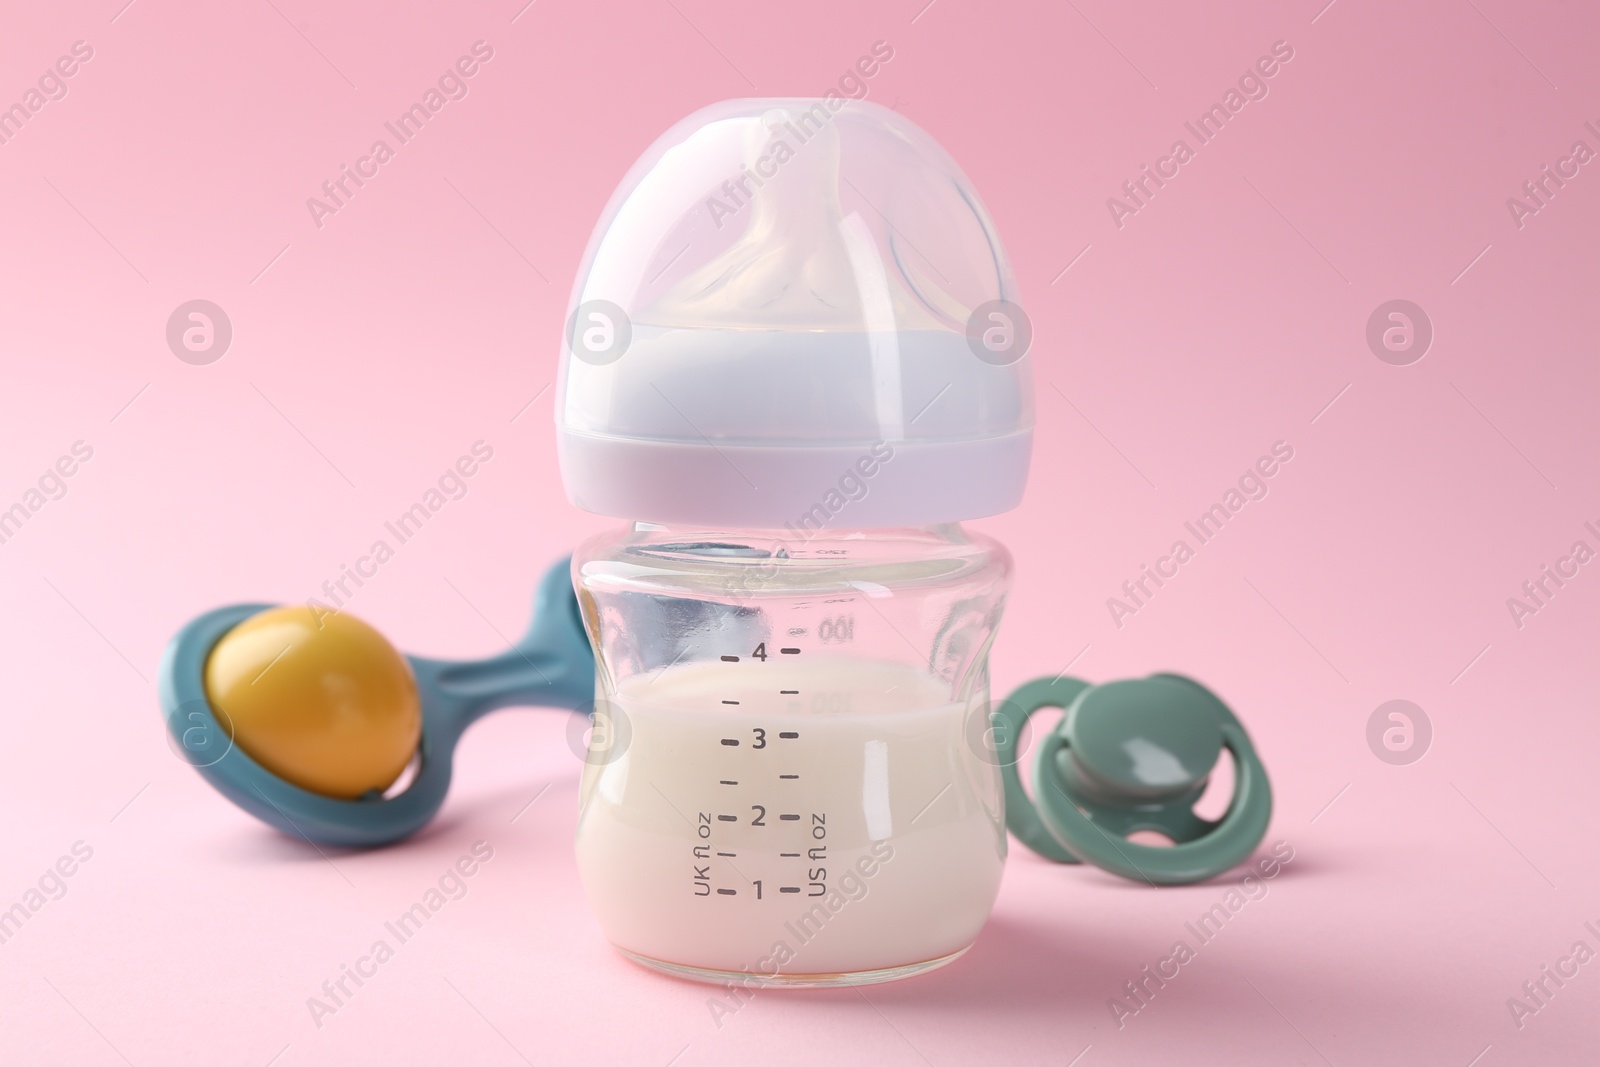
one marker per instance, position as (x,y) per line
(1129,756)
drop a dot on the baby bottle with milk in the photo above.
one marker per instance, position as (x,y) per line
(794,363)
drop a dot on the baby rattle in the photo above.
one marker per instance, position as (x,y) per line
(304,719)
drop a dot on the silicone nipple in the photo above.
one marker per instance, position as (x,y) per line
(802,263)
(327,704)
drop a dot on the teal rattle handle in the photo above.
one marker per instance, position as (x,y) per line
(552,665)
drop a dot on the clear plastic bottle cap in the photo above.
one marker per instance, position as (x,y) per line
(795,313)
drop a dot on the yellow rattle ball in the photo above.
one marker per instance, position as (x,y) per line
(322,700)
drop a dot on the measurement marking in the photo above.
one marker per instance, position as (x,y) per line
(788,889)
(789,855)
(788,735)
(788,692)
(727,782)
(731,742)
(727,853)
(730,659)
(785,651)
(730,702)
(789,818)
(788,776)
(728,892)
(727,818)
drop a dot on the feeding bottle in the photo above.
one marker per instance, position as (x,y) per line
(795,363)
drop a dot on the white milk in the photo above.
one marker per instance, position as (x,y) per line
(817,819)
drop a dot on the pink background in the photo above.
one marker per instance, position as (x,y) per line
(1226,315)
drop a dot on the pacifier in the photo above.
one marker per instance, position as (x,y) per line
(1130,756)
(307,719)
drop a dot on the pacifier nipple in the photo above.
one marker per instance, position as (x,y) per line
(325,703)
(1126,748)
